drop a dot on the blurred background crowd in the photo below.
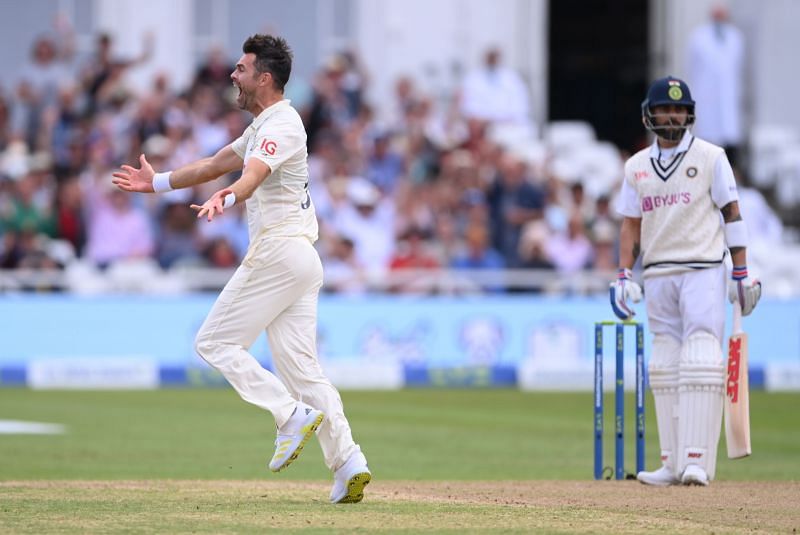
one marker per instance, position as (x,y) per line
(408,196)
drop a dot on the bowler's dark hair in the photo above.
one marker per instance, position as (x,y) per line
(273,55)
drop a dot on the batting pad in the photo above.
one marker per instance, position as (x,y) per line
(701,380)
(663,376)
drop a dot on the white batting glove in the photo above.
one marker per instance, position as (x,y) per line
(621,290)
(744,290)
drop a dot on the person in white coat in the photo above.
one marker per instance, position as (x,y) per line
(715,71)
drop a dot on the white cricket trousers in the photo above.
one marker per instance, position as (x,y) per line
(277,288)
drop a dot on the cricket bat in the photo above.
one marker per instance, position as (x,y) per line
(737,393)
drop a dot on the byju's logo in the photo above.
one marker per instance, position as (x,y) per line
(657,201)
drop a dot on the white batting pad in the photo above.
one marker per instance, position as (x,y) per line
(663,376)
(701,383)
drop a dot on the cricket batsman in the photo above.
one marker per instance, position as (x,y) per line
(681,214)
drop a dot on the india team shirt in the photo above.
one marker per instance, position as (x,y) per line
(281,205)
(678,194)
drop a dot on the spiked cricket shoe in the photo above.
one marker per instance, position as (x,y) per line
(350,479)
(294,434)
(694,475)
(663,477)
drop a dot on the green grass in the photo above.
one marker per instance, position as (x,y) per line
(444,461)
(407,435)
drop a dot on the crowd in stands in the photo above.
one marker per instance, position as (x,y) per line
(418,184)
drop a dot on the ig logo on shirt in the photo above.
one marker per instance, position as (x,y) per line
(269,147)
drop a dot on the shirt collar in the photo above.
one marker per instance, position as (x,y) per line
(683,146)
(267,112)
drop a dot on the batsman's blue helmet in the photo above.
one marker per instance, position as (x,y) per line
(664,92)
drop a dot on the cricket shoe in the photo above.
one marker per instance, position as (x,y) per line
(350,479)
(663,477)
(294,434)
(694,475)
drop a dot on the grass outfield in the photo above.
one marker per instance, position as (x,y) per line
(441,459)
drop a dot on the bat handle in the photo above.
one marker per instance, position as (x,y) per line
(736,328)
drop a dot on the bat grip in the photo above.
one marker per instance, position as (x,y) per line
(736,328)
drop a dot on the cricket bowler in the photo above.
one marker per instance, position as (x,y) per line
(277,285)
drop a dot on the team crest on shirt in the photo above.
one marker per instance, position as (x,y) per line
(268,147)
(691,172)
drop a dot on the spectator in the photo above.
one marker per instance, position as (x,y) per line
(367,220)
(69,210)
(570,251)
(716,75)
(219,253)
(495,94)
(513,202)
(478,253)
(603,233)
(178,242)
(343,272)
(117,230)
(102,73)
(411,252)
(215,72)
(410,257)
(31,208)
(384,165)
(37,90)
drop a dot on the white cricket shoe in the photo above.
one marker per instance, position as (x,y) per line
(294,434)
(663,477)
(694,475)
(350,479)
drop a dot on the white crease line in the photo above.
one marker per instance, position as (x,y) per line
(19,427)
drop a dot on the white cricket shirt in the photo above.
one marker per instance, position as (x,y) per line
(281,205)
(678,195)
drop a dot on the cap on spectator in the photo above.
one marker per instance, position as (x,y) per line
(14,160)
(361,192)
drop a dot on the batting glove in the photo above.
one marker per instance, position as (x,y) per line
(621,290)
(744,290)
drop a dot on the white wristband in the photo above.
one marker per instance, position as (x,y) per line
(736,234)
(161,182)
(230,200)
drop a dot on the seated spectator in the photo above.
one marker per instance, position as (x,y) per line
(178,241)
(532,246)
(232,227)
(219,253)
(25,249)
(368,220)
(513,201)
(570,251)
(343,272)
(69,214)
(495,93)
(117,230)
(30,208)
(384,166)
(411,254)
(478,254)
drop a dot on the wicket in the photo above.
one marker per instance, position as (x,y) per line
(619,398)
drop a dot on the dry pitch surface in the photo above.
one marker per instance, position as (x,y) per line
(513,506)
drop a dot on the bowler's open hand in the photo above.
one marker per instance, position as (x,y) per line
(213,206)
(131,179)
